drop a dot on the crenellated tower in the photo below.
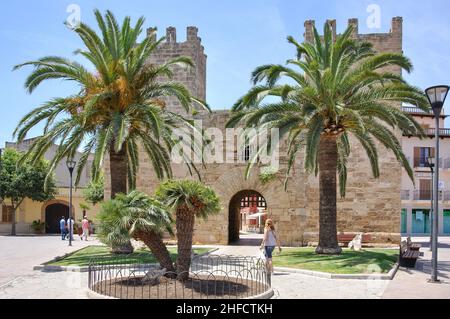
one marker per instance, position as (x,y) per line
(195,78)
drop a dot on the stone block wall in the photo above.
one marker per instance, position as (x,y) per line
(372,205)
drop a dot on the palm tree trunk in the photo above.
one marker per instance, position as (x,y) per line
(328,243)
(185,229)
(118,167)
(154,242)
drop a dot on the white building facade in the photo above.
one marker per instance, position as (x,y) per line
(416,197)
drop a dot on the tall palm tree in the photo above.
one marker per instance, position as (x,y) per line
(335,90)
(120,106)
(137,216)
(188,200)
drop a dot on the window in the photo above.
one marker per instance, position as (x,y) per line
(6,214)
(253,201)
(425,189)
(421,221)
(421,155)
(447,222)
(404,222)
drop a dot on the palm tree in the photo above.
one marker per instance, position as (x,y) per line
(187,200)
(137,216)
(120,106)
(334,90)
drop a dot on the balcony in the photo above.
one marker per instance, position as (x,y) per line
(422,163)
(418,112)
(415,110)
(424,195)
(405,194)
(443,132)
(431,132)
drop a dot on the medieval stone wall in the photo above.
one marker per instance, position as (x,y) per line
(371,206)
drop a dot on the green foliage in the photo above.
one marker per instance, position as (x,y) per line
(267,175)
(200,199)
(336,89)
(95,192)
(26,180)
(38,226)
(120,218)
(84,207)
(120,104)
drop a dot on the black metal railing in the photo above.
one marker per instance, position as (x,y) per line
(210,277)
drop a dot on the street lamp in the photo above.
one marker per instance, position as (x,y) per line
(71,164)
(431,162)
(436,96)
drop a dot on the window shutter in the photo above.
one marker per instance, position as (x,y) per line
(416,156)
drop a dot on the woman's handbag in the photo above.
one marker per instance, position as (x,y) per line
(262,255)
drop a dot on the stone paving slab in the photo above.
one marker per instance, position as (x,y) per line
(18,280)
(18,255)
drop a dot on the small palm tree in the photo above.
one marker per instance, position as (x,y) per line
(137,216)
(188,200)
(120,106)
(341,89)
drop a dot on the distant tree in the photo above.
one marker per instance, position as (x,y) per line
(95,192)
(18,182)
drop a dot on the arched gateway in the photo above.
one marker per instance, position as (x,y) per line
(53,214)
(247,212)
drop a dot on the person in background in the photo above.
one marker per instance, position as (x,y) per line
(62,227)
(70,224)
(269,243)
(85,226)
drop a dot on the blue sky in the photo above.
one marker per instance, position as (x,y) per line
(237,35)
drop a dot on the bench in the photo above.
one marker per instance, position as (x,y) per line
(413,246)
(408,257)
(345,239)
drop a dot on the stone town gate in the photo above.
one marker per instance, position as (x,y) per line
(372,206)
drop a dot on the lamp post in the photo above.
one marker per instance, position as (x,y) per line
(431,161)
(71,164)
(436,96)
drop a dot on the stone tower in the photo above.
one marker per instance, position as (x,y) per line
(372,206)
(195,78)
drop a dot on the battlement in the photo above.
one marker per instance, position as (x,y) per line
(171,34)
(391,41)
(396,28)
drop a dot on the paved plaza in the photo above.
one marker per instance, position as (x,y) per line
(19,255)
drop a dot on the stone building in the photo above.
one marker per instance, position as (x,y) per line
(49,212)
(372,206)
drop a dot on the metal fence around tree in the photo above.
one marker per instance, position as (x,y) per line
(210,277)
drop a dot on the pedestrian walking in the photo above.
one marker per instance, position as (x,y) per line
(85,226)
(62,227)
(269,243)
(70,223)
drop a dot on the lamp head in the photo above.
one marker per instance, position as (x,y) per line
(431,161)
(436,96)
(71,164)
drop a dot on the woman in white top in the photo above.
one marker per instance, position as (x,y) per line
(269,243)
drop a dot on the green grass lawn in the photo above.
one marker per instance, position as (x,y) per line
(82,257)
(350,262)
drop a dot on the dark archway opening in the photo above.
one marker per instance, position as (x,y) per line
(247,213)
(53,214)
